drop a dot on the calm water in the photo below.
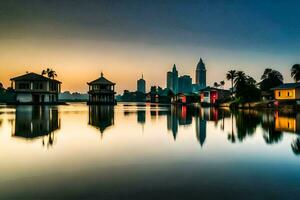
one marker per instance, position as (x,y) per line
(147,152)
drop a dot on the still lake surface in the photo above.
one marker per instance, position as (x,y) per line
(143,151)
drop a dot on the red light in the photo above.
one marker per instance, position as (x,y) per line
(183,99)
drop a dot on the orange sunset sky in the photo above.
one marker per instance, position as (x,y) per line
(79,39)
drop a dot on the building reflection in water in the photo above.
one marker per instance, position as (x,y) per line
(101,116)
(141,117)
(200,130)
(36,121)
(243,123)
(172,121)
(288,122)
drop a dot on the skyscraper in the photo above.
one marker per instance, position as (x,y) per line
(169,80)
(201,74)
(141,85)
(184,84)
(172,80)
(175,79)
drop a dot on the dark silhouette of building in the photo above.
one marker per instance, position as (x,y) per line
(200,130)
(32,88)
(133,96)
(184,84)
(36,121)
(141,116)
(141,85)
(172,80)
(212,95)
(201,74)
(101,116)
(172,121)
(101,91)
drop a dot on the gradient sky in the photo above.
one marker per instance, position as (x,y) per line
(124,39)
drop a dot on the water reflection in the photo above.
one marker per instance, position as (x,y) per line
(101,117)
(36,121)
(182,149)
(243,123)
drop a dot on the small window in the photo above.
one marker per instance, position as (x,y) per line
(288,94)
(279,93)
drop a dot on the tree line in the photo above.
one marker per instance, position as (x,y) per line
(247,89)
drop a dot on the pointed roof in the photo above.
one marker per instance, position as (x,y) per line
(200,64)
(174,67)
(101,81)
(33,77)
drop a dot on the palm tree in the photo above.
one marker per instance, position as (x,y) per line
(272,74)
(270,79)
(231,74)
(240,78)
(222,83)
(296,146)
(216,84)
(45,72)
(50,73)
(295,72)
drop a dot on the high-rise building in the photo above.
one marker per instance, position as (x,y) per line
(184,84)
(175,79)
(172,80)
(169,80)
(201,74)
(141,85)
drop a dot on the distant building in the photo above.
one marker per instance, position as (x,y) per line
(287,91)
(201,74)
(211,95)
(101,91)
(185,98)
(32,88)
(169,80)
(172,80)
(184,84)
(141,85)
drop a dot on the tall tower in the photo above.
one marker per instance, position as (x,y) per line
(141,85)
(175,79)
(170,80)
(201,74)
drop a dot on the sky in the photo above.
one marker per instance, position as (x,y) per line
(128,38)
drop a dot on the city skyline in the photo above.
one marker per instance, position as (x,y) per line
(81,39)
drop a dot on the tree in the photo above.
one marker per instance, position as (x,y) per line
(296,146)
(246,88)
(216,84)
(231,74)
(222,83)
(295,72)
(49,72)
(1,85)
(270,79)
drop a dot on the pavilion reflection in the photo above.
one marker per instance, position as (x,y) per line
(36,121)
(101,116)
